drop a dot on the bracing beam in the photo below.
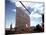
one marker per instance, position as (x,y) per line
(24,7)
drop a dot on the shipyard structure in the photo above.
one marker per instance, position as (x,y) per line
(22,19)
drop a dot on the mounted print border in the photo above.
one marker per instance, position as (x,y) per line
(24,17)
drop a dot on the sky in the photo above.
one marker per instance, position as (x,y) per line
(10,13)
(36,10)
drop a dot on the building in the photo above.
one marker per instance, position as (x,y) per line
(22,19)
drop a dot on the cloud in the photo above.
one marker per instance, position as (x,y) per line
(14,10)
(38,8)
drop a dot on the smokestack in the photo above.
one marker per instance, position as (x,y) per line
(10,26)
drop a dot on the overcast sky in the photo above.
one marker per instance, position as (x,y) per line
(34,8)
